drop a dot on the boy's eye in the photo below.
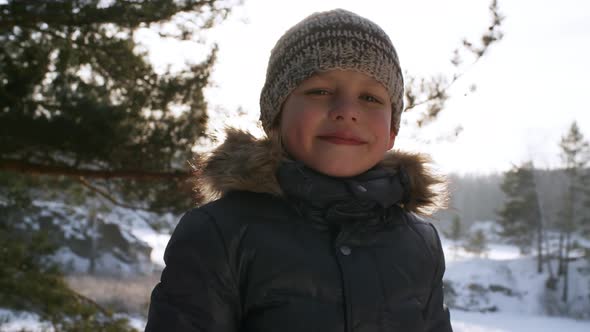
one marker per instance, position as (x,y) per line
(371,99)
(318,92)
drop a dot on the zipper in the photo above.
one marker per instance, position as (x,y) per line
(346,294)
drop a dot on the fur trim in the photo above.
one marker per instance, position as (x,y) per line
(243,162)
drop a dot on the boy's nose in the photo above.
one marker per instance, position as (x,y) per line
(345,109)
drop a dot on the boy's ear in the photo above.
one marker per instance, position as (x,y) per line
(392,136)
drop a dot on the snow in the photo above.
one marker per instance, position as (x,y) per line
(13,321)
(135,322)
(455,253)
(65,257)
(17,321)
(502,267)
(155,240)
(510,322)
(501,274)
(461,321)
(135,227)
(506,282)
(501,288)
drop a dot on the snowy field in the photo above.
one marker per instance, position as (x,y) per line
(508,322)
(12,321)
(503,279)
(504,268)
(462,322)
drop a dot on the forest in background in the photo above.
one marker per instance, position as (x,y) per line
(479,197)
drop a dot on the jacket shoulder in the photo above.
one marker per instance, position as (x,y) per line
(426,231)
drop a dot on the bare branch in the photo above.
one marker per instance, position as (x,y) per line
(110,197)
(434,92)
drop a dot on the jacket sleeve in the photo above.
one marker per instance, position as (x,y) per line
(437,314)
(197,289)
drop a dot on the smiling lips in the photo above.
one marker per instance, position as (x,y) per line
(342,139)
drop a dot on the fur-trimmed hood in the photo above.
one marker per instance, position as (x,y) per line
(243,162)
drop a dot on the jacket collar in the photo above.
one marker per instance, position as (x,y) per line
(243,162)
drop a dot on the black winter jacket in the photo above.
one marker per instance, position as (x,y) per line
(258,261)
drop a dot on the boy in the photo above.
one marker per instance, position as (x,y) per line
(315,226)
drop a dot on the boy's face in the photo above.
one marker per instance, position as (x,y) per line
(338,123)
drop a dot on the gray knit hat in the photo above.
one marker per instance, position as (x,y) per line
(336,39)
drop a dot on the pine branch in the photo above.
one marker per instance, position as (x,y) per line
(135,174)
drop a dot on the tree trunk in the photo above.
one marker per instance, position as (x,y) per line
(539,247)
(560,255)
(569,228)
(548,255)
(93,245)
(564,296)
(540,226)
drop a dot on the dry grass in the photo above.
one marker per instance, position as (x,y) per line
(129,295)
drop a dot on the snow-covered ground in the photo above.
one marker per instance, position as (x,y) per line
(502,267)
(505,282)
(462,322)
(155,240)
(501,281)
(519,312)
(14,321)
(510,322)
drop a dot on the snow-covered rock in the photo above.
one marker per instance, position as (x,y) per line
(503,280)
(100,239)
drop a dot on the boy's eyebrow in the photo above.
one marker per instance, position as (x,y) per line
(326,76)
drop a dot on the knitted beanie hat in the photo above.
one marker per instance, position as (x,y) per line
(336,39)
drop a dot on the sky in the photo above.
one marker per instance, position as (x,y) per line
(530,86)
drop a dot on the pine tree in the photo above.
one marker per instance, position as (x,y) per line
(520,214)
(456,229)
(77,93)
(79,98)
(575,156)
(585,213)
(455,232)
(541,225)
(477,243)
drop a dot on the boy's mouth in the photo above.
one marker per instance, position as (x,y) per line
(342,138)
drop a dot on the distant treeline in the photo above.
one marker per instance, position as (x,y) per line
(478,197)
